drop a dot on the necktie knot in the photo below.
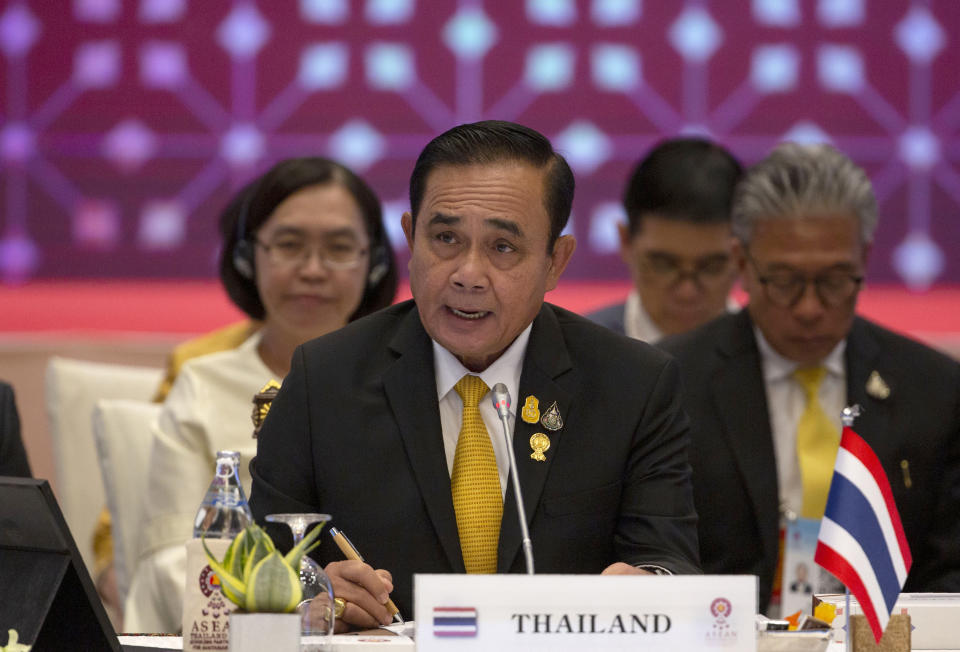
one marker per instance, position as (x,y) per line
(471,389)
(810,379)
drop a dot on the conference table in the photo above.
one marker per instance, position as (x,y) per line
(933,619)
(345,643)
(358,642)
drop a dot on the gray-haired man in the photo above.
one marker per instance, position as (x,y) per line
(758,383)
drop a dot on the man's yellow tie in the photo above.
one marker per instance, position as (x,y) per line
(475,483)
(817,443)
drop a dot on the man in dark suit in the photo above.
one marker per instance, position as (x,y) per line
(804,218)
(677,240)
(370,421)
(13,457)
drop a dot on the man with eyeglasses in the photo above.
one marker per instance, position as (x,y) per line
(677,240)
(764,388)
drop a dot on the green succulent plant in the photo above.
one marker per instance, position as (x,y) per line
(256,577)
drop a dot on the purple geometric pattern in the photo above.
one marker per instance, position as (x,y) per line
(126,124)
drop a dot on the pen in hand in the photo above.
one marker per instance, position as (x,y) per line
(350,552)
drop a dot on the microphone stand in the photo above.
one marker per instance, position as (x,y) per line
(501,401)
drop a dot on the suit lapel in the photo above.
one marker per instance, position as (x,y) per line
(746,425)
(410,385)
(545,361)
(861,356)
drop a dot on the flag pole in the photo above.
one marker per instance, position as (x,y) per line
(847,416)
(849,645)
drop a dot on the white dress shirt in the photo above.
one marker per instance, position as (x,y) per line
(506,369)
(638,324)
(786,402)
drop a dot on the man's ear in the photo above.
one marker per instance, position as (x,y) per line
(406,221)
(747,275)
(626,242)
(739,251)
(562,252)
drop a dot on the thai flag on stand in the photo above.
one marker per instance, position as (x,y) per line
(861,538)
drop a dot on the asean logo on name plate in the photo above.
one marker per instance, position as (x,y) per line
(722,631)
(455,621)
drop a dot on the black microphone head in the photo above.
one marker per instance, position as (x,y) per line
(501,399)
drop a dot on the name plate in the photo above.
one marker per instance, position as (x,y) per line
(585,612)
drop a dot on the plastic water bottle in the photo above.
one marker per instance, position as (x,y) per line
(224,511)
(223,514)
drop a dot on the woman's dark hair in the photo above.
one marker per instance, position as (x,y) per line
(255,203)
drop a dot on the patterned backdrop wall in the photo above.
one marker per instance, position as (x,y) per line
(126,124)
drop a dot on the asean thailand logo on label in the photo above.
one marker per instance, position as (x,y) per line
(209,582)
(455,621)
(721,631)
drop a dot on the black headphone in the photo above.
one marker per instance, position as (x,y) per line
(243,249)
(379,265)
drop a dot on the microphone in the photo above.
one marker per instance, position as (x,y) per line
(501,402)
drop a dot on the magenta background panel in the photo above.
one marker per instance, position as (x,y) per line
(126,124)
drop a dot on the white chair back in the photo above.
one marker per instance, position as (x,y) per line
(122,429)
(72,389)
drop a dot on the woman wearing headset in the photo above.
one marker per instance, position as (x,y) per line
(304,252)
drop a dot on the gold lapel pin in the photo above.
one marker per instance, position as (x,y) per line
(531,410)
(905,468)
(877,386)
(551,419)
(262,401)
(539,442)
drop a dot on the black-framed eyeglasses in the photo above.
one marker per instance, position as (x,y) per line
(291,252)
(670,272)
(785,288)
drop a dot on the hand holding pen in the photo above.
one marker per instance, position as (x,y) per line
(351,553)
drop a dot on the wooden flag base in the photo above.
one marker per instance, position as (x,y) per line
(896,638)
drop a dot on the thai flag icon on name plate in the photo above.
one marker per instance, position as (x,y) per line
(455,621)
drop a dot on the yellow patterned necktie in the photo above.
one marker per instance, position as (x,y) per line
(817,444)
(475,483)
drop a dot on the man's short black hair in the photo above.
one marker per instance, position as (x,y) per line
(689,179)
(497,141)
(254,205)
